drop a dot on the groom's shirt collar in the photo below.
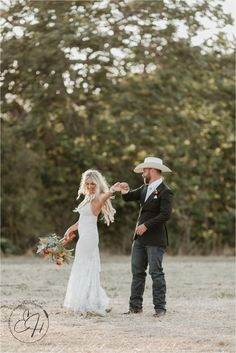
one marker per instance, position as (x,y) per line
(154,185)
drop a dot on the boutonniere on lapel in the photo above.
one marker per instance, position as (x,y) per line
(155,193)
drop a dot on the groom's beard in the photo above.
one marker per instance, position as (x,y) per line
(146,179)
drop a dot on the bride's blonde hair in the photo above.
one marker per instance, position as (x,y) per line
(101,187)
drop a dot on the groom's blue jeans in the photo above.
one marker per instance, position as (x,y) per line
(142,256)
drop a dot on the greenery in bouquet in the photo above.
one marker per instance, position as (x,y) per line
(52,247)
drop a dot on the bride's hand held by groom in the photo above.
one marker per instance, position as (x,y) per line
(115,187)
(120,187)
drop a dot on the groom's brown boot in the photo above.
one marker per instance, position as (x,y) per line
(134,311)
(159,312)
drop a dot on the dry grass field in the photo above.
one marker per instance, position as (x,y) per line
(200,317)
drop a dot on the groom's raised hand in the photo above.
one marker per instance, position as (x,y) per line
(124,187)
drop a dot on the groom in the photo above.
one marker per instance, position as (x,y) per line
(150,236)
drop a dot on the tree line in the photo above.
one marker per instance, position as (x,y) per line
(104,84)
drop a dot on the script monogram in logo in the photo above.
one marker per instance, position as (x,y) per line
(28,322)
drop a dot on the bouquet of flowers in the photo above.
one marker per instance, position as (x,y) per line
(53,247)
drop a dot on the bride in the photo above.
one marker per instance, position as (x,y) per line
(84,293)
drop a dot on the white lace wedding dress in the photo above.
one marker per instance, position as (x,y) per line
(84,293)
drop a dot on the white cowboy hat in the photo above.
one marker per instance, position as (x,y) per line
(152,162)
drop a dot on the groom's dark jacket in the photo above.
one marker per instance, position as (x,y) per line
(154,213)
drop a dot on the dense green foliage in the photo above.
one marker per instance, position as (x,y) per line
(103,84)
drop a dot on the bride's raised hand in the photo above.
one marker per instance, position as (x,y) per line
(115,187)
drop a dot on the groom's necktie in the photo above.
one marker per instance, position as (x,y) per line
(149,191)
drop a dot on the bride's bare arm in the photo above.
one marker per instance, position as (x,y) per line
(72,228)
(98,204)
